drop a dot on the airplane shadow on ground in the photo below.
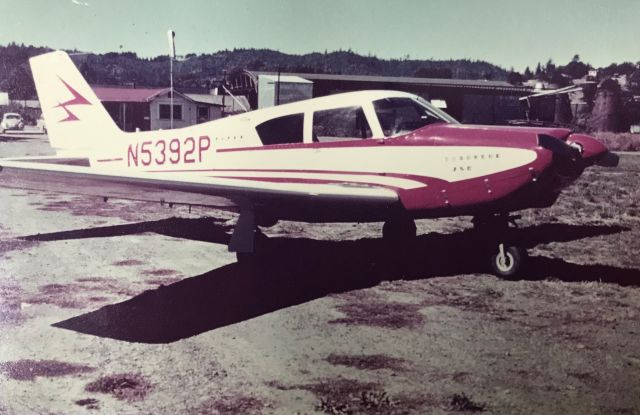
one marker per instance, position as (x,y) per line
(297,270)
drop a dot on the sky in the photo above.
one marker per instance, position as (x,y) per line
(509,33)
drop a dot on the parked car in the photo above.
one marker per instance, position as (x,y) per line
(11,121)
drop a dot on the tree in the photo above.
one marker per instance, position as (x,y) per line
(634,82)
(549,70)
(88,73)
(514,78)
(527,73)
(575,69)
(423,72)
(539,71)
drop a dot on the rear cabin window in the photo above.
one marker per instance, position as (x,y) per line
(340,124)
(282,130)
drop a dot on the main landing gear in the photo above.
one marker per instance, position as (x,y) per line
(399,230)
(506,256)
(247,240)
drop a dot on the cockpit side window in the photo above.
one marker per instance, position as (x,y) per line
(282,130)
(339,124)
(402,115)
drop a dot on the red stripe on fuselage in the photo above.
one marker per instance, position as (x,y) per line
(420,179)
(307,180)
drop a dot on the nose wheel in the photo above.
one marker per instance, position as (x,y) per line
(506,257)
(507,262)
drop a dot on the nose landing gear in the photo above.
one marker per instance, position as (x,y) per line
(508,261)
(507,258)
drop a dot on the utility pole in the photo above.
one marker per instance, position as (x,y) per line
(224,88)
(172,54)
(278,88)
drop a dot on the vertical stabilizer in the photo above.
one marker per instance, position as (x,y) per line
(76,120)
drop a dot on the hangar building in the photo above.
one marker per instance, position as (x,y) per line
(470,101)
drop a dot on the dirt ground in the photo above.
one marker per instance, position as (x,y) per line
(128,307)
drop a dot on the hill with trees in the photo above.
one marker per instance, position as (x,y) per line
(203,70)
(206,70)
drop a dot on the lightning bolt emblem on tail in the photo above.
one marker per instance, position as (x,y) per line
(76,100)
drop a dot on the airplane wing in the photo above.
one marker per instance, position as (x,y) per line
(73,175)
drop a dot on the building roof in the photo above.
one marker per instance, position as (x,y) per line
(450,83)
(115,94)
(229,103)
(288,79)
(565,90)
(206,99)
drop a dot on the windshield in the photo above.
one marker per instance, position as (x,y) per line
(12,117)
(402,115)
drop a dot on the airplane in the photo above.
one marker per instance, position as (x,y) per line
(383,156)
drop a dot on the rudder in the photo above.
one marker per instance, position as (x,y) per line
(76,120)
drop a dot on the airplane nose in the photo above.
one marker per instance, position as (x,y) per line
(593,151)
(573,155)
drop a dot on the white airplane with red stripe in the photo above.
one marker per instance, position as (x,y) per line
(354,157)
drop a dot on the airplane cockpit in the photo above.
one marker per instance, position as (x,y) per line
(348,116)
(399,116)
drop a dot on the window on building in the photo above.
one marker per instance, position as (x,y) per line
(165,111)
(282,130)
(203,114)
(340,124)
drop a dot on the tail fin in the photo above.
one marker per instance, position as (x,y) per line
(76,120)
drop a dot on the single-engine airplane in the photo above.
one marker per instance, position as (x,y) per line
(383,156)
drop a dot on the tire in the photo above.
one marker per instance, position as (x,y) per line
(258,257)
(399,231)
(247,258)
(511,264)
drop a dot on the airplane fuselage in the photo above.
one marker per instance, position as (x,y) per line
(438,170)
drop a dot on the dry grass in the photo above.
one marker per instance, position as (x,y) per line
(620,141)
(10,308)
(123,386)
(93,206)
(339,396)
(88,403)
(367,362)
(366,308)
(233,404)
(462,403)
(30,369)
(127,263)
(81,293)
(11,244)
(162,272)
